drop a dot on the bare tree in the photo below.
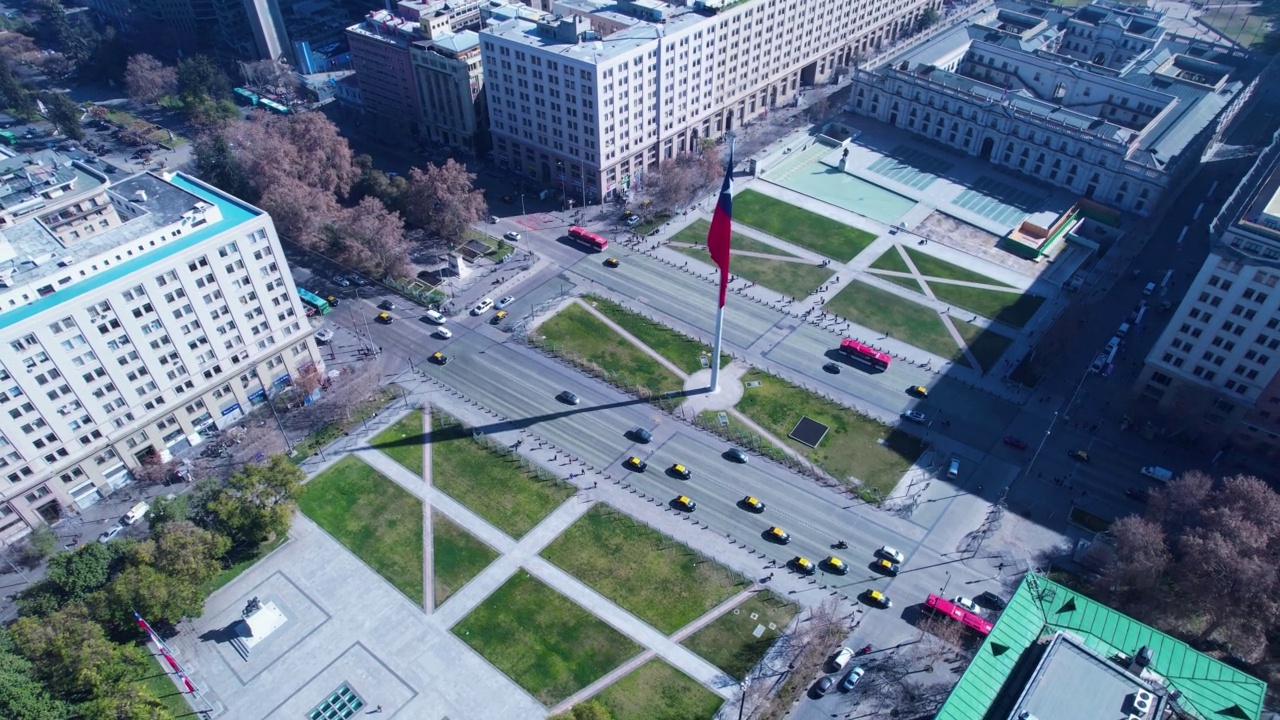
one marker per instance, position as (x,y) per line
(371,238)
(153,470)
(146,79)
(271,74)
(442,199)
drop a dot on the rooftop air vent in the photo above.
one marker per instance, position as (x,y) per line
(140,195)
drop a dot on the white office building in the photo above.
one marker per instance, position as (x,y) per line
(133,316)
(1101,100)
(593,97)
(1213,370)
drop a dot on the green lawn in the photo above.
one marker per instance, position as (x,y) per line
(457,556)
(987,346)
(658,579)
(241,563)
(930,266)
(855,446)
(1011,308)
(491,485)
(403,442)
(797,225)
(891,260)
(1240,24)
(909,283)
(696,234)
(312,443)
(683,352)
(648,226)
(730,642)
(902,319)
(580,337)
(542,640)
(373,517)
(157,682)
(795,279)
(657,691)
(498,248)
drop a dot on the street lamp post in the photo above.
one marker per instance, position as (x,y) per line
(1048,431)
(267,393)
(943,591)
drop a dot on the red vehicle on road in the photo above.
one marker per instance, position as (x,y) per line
(1016,442)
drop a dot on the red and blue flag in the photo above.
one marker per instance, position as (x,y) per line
(722,229)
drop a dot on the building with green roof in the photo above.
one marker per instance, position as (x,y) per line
(1055,654)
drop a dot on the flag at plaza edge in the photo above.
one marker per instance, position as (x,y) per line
(722,229)
(145,626)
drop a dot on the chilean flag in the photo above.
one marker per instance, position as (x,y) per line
(722,229)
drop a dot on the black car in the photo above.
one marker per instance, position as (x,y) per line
(832,368)
(386,305)
(1142,495)
(989,599)
(735,455)
(640,435)
(568,398)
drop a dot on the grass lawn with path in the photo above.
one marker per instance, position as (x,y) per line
(696,234)
(657,691)
(855,446)
(156,679)
(312,443)
(457,556)
(543,641)
(491,485)
(1011,308)
(580,337)
(987,346)
(373,517)
(930,266)
(794,279)
(902,319)
(402,442)
(730,642)
(796,225)
(892,260)
(683,352)
(661,581)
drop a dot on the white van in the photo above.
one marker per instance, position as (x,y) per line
(1113,343)
(136,513)
(953,470)
(1150,288)
(1122,330)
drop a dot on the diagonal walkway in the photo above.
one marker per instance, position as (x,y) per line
(944,316)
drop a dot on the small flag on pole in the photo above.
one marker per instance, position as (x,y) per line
(722,229)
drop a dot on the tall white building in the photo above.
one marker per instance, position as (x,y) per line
(1102,100)
(603,92)
(1214,368)
(133,316)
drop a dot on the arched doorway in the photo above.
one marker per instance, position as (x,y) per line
(988,145)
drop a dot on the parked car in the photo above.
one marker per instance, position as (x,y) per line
(482,307)
(111,533)
(914,416)
(1142,495)
(341,281)
(851,678)
(822,687)
(136,513)
(986,598)
(632,220)
(324,335)
(839,659)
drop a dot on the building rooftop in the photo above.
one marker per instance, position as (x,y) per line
(589,47)
(1052,641)
(457,43)
(176,212)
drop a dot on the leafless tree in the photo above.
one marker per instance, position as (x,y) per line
(442,199)
(271,74)
(146,79)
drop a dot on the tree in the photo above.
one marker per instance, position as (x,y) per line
(258,502)
(182,550)
(200,77)
(443,200)
(300,211)
(1142,559)
(71,577)
(71,655)
(376,183)
(64,113)
(40,545)
(14,95)
(146,79)
(169,510)
(371,238)
(218,164)
(153,470)
(22,696)
(586,710)
(928,18)
(209,113)
(305,147)
(127,702)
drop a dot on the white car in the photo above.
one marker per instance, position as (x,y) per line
(914,416)
(840,658)
(967,604)
(324,335)
(505,301)
(443,333)
(889,553)
(111,533)
(436,317)
(482,307)
(512,236)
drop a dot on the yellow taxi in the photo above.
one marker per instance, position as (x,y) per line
(888,567)
(498,317)
(684,503)
(440,358)
(680,471)
(836,566)
(918,390)
(802,565)
(753,504)
(877,598)
(611,263)
(384,318)
(778,535)
(635,463)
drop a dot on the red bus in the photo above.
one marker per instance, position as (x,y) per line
(857,351)
(589,239)
(973,621)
